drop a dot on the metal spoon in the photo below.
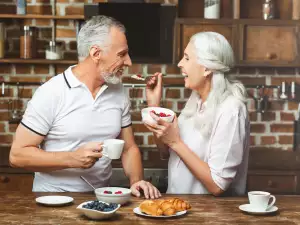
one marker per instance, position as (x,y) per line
(136,77)
(87,182)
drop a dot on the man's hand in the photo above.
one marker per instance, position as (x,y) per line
(149,190)
(87,155)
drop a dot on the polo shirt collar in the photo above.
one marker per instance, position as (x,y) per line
(70,79)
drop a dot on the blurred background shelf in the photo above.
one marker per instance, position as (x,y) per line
(34,16)
(38,61)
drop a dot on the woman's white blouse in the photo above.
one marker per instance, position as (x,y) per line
(226,151)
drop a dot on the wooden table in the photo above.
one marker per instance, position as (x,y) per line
(15,208)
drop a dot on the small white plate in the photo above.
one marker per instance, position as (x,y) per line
(54,200)
(139,212)
(249,209)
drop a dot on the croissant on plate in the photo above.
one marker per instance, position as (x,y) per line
(179,204)
(151,208)
(164,207)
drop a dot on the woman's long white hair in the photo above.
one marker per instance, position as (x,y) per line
(214,53)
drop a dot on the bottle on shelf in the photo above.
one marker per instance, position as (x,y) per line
(28,43)
(212,9)
(268,10)
(21,7)
(53,52)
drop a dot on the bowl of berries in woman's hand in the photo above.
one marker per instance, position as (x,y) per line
(162,113)
(116,195)
(98,210)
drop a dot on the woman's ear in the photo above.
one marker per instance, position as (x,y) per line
(207,72)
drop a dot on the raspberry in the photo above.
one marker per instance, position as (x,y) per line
(107,192)
(162,114)
(118,192)
(139,75)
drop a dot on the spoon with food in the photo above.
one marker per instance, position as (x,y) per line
(141,78)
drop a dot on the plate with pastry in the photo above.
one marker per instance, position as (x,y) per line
(162,208)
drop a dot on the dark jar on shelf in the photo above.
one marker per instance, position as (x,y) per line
(28,43)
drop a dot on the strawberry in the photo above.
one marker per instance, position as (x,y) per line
(139,75)
(118,192)
(161,114)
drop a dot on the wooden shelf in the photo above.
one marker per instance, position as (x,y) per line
(33,16)
(38,61)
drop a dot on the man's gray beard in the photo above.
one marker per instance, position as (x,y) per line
(111,78)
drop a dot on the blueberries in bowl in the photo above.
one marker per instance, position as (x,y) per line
(100,206)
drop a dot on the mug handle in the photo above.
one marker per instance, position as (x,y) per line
(104,151)
(272,203)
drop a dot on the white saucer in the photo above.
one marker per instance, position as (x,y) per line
(138,212)
(54,200)
(249,209)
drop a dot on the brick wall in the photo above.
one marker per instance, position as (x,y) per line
(271,129)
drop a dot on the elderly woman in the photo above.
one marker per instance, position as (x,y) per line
(208,145)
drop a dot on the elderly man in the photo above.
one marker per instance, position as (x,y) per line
(71,114)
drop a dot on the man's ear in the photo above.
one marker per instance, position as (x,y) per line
(95,53)
(207,72)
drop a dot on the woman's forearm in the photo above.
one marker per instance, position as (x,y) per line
(163,149)
(198,167)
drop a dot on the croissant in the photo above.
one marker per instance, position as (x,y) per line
(151,208)
(167,207)
(179,204)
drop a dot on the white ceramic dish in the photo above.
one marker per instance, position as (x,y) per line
(146,116)
(139,212)
(113,198)
(53,200)
(95,214)
(249,209)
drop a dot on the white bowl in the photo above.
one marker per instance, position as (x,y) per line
(95,214)
(113,198)
(146,116)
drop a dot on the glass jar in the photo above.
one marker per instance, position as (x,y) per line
(53,52)
(2,35)
(28,43)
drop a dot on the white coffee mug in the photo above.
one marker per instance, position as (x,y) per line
(112,148)
(260,200)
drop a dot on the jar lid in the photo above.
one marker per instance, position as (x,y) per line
(26,27)
(52,43)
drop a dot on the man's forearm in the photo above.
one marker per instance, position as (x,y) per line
(132,164)
(38,160)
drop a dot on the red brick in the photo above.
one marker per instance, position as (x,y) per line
(65,33)
(136,116)
(8,92)
(151,140)
(276,105)
(167,104)
(60,68)
(23,69)
(153,68)
(71,55)
(286,71)
(181,105)
(26,79)
(173,69)
(285,140)
(44,1)
(4,116)
(252,140)
(73,10)
(6,138)
(2,127)
(140,128)
(293,105)
(28,22)
(266,71)
(73,45)
(136,93)
(253,116)
(279,80)
(179,81)
(43,22)
(247,70)
(8,9)
(5,68)
(62,1)
(139,140)
(257,128)
(39,9)
(172,93)
(268,116)
(64,23)
(41,69)
(187,93)
(95,1)
(287,116)
(25,93)
(267,140)
(282,128)
(13,127)
(135,69)
(252,80)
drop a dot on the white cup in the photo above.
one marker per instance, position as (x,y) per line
(260,200)
(112,148)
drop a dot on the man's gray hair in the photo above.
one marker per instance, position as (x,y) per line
(96,32)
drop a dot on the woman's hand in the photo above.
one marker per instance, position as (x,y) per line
(154,90)
(168,133)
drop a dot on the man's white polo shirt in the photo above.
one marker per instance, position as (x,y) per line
(65,112)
